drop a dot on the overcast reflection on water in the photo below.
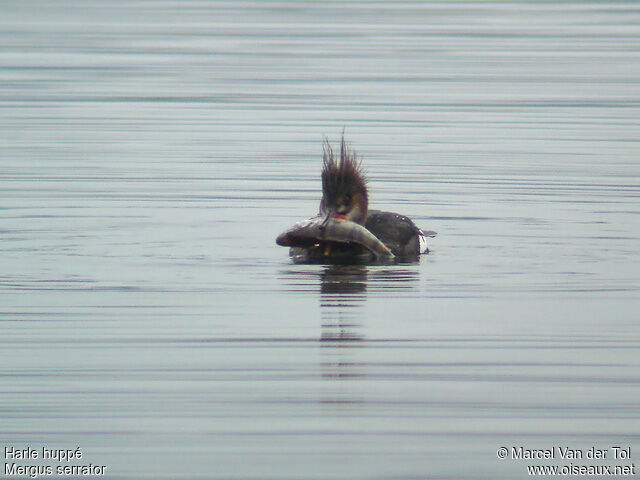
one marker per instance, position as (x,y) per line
(151,152)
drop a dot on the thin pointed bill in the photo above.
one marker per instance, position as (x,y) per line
(318,229)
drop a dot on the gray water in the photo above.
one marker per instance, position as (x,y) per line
(150,153)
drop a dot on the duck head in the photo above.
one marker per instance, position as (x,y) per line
(344,188)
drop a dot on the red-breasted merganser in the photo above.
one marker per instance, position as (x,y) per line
(345,226)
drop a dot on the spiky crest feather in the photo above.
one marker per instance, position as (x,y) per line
(340,177)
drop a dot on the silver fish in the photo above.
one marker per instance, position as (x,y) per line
(318,229)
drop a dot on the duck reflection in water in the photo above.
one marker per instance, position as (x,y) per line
(345,230)
(343,295)
(343,291)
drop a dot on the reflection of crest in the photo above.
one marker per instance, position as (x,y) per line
(343,292)
(343,289)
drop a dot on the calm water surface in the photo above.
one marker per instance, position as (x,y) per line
(150,153)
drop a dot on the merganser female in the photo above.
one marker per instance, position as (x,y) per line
(345,227)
